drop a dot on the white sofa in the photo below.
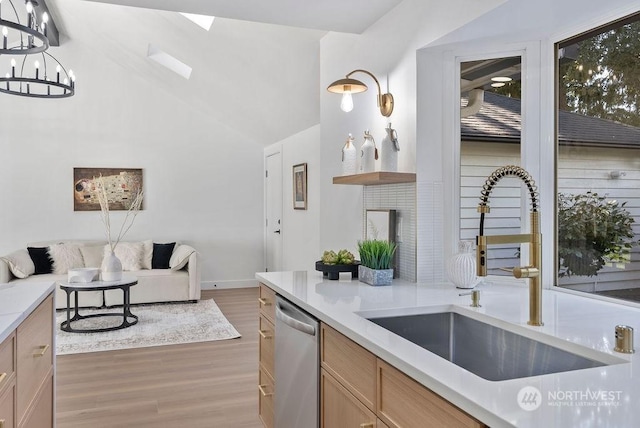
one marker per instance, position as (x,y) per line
(154,285)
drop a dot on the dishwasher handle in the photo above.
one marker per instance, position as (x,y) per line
(291,321)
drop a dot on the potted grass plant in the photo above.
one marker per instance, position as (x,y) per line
(376,261)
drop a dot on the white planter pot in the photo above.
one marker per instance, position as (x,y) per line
(375,277)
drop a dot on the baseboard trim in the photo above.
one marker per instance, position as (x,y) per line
(218,285)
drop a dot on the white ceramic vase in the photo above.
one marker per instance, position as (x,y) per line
(461,267)
(349,157)
(389,148)
(111,269)
(368,154)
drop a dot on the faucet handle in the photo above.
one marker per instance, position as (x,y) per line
(475,298)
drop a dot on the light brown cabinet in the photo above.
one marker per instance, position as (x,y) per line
(341,409)
(26,360)
(403,402)
(350,364)
(8,382)
(266,332)
(265,399)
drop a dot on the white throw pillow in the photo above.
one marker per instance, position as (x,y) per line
(180,257)
(129,253)
(147,253)
(20,263)
(65,257)
(92,255)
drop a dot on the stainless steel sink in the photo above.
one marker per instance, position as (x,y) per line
(483,349)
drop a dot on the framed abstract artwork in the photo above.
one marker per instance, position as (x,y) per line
(122,185)
(300,186)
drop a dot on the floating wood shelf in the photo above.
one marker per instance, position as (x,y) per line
(379,177)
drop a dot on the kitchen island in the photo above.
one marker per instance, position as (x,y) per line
(27,355)
(602,396)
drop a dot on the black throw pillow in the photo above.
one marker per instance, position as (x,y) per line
(41,259)
(162,255)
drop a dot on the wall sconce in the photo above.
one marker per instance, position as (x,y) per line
(349,86)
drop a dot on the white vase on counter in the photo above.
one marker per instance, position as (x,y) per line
(461,267)
(349,157)
(368,154)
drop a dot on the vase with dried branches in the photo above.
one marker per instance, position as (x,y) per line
(111,269)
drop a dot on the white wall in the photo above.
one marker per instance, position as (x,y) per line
(388,50)
(300,228)
(203,181)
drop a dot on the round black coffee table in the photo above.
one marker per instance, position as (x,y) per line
(125,284)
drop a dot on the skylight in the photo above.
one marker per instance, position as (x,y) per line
(203,21)
(172,63)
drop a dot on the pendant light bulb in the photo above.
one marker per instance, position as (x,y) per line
(347,102)
(5,31)
(29,7)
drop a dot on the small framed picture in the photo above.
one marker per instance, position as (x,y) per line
(300,186)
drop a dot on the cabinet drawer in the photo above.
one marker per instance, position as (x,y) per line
(34,354)
(7,405)
(403,402)
(267,302)
(40,414)
(340,409)
(7,360)
(352,365)
(267,339)
(265,399)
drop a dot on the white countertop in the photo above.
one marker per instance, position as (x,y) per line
(17,301)
(607,396)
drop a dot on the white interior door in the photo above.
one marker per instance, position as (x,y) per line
(273,210)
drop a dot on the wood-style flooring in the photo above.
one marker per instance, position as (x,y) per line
(208,385)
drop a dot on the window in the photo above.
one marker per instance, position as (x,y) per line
(598,161)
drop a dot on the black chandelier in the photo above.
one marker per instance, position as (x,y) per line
(24,34)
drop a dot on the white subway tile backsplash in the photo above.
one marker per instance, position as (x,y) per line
(402,198)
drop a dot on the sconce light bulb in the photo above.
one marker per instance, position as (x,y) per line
(45,17)
(5,31)
(36,64)
(66,81)
(29,7)
(13,62)
(347,102)
(58,68)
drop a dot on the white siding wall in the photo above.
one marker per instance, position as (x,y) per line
(478,161)
(581,169)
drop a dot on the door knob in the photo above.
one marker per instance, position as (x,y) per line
(277,231)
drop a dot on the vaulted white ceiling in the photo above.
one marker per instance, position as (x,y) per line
(349,16)
(256,70)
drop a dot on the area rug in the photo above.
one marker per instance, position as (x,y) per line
(157,325)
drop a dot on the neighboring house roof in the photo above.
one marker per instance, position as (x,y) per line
(499,120)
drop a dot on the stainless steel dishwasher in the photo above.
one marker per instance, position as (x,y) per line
(296,367)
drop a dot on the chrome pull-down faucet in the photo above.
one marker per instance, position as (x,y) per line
(534,239)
